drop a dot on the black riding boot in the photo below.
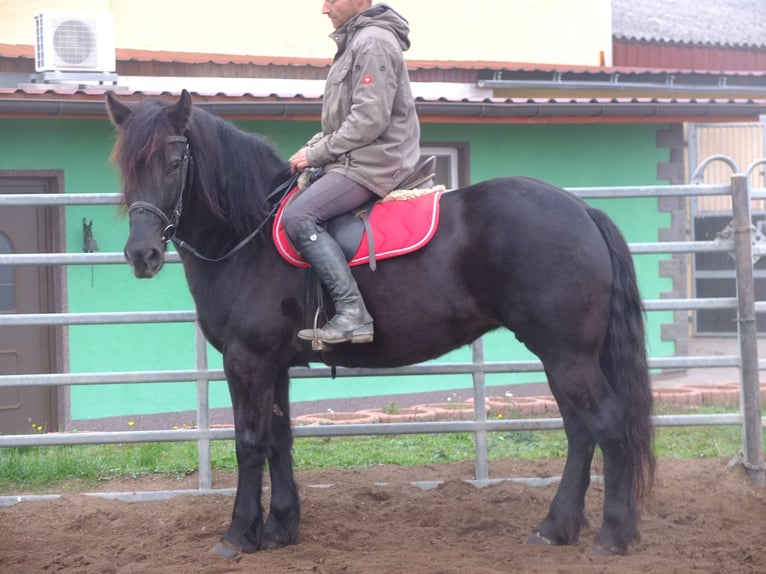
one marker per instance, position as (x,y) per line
(351,321)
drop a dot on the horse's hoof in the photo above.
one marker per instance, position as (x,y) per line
(227,550)
(278,533)
(273,543)
(605,550)
(537,539)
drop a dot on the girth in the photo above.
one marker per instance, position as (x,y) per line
(349,228)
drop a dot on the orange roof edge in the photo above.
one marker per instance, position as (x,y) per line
(127,54)
(17,51)
(28,51)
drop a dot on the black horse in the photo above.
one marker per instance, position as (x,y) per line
(513,252)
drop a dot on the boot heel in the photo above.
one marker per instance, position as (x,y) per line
(363,334)
(366,338)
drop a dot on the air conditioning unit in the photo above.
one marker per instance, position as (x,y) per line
(74,41)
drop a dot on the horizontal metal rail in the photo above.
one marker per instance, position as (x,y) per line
(342,430)
(499,367)
(59,199)
(173,257)
(648,191)
(73,258)
(38,319)
(64,199)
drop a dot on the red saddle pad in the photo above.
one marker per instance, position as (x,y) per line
(398,227)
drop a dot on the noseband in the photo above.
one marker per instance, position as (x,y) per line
(187,173)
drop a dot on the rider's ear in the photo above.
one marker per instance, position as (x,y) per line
(118,112)
(180,113)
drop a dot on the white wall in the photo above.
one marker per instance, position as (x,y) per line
(532,31)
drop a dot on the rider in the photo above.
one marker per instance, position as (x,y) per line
(369,142)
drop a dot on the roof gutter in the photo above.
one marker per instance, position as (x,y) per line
(62,107)
(528,110)
(721,89)
(638,110)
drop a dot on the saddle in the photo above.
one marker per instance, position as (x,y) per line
(401,223)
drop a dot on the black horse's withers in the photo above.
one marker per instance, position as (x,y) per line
(512,252)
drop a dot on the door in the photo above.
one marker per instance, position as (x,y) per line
(26,289)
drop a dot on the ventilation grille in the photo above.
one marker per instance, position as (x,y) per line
(74,41)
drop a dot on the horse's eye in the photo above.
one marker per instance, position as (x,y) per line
(175,165)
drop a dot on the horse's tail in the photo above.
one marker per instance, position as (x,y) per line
(623,356)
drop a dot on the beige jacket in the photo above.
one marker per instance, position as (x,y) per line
(370,129)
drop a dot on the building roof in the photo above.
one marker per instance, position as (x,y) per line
(721,22)
(239,86)
(89,102)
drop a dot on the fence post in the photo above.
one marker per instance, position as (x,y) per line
(751,456)
(480,410)
(203,411)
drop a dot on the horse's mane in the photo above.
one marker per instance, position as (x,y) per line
(234,171)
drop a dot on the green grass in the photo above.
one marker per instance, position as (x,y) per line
(49,468)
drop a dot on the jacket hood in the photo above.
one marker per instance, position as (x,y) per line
(382,16)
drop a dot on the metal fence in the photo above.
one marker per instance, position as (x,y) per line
(741,245)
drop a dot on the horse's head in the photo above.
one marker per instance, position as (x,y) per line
(153,158)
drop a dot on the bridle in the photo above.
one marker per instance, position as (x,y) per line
(187,175)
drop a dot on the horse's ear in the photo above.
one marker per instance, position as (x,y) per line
(181,111)
(118,112)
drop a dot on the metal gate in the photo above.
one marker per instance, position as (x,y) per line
(739,243)
(713,273)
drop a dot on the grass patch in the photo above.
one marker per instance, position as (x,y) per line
(39,468)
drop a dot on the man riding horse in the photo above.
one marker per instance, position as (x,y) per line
(368,144)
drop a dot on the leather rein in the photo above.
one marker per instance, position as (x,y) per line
(187,176)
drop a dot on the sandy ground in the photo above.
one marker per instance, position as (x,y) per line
(701,518)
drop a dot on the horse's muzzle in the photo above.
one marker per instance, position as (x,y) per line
(146,262)
(145,249)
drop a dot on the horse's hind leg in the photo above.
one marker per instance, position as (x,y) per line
(619,527)
(566,515)
(281,527)
(594,409)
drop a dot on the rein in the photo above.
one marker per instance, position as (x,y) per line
(187,175)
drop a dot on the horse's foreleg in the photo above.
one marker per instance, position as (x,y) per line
(284,516)
(251,385)
(566,515)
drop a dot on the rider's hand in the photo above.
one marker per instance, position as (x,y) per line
(298,161)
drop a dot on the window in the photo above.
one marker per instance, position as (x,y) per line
(451,163)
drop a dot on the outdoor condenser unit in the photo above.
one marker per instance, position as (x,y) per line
(74,41)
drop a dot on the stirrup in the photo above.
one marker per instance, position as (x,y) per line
(316,343)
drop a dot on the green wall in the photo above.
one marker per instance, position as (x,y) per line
(567,155)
